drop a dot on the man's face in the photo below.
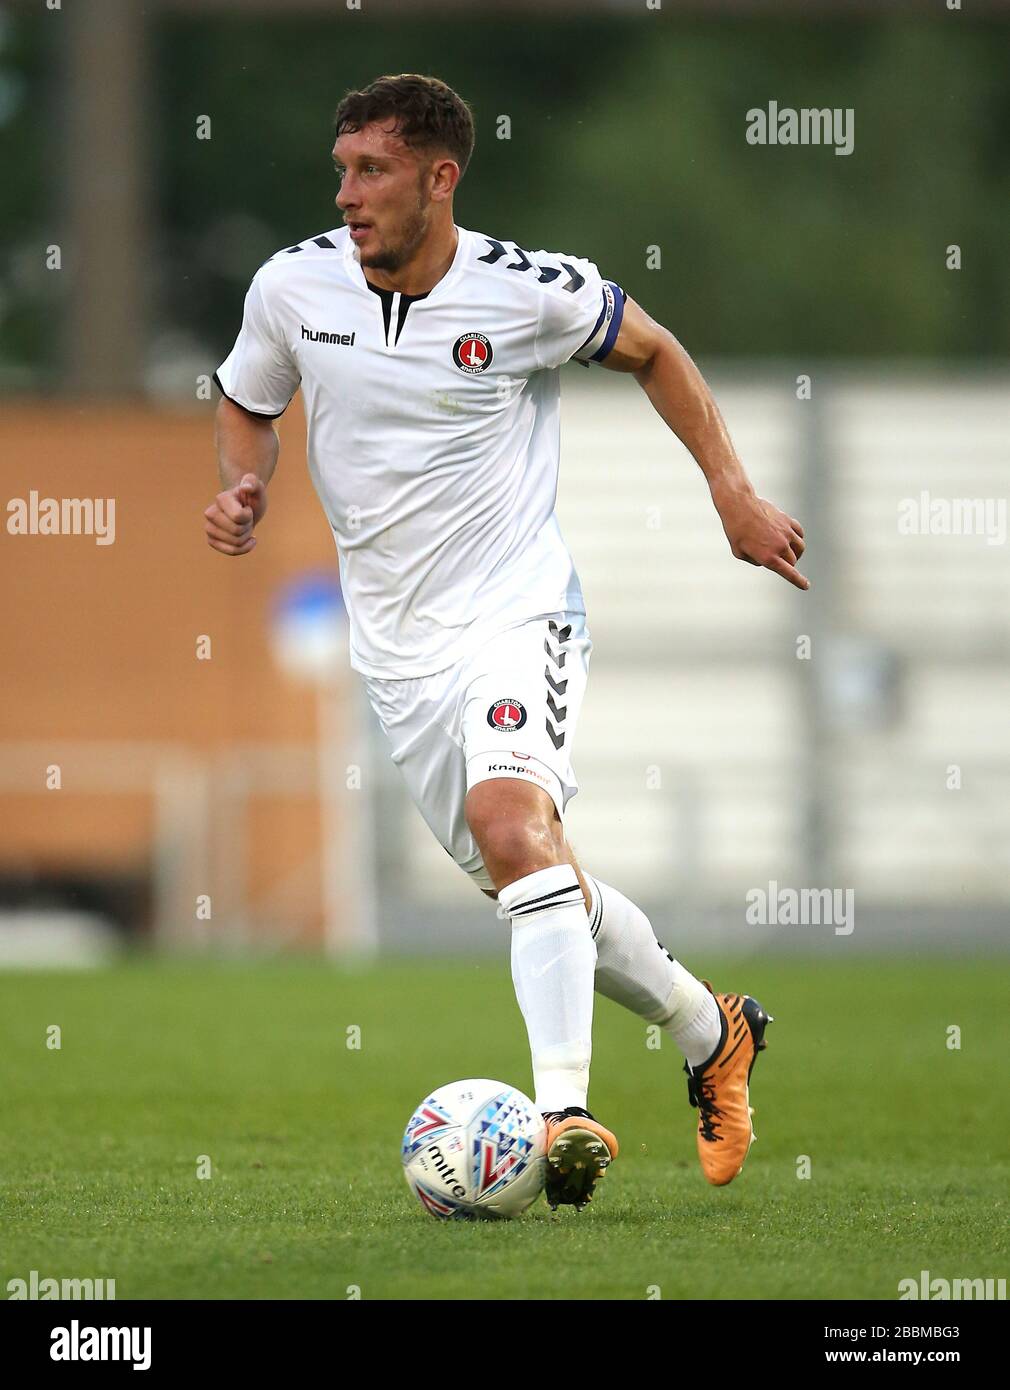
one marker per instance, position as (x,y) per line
(384,194)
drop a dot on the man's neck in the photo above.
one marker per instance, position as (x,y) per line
(424,271)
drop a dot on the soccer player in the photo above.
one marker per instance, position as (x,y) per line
(428,356)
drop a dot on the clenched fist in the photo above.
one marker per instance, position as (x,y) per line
(231,516)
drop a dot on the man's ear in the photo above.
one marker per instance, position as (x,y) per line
(445,177)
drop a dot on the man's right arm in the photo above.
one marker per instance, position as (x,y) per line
(257,381)
(247,448)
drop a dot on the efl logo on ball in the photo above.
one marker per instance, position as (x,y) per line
(506,715)
(472,353)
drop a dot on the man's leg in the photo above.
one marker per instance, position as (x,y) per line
(720,1035)
(636,970)
(553,954)
(553,965)
(632,967)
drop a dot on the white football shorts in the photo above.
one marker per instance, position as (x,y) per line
(509,709)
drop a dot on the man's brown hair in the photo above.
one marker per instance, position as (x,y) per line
(430,116)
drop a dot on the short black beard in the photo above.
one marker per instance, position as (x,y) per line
(392,258)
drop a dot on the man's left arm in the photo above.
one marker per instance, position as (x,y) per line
(757,531)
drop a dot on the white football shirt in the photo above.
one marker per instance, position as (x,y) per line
(433,431)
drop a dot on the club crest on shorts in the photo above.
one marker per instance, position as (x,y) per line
(472,353)
(506,715)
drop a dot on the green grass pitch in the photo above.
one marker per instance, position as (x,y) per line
(248,1065)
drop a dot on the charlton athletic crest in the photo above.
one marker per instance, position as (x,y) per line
(506,715)
(472,353)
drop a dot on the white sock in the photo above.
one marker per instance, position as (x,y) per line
(553,959)
(636,971)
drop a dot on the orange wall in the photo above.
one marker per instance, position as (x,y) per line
(99,641)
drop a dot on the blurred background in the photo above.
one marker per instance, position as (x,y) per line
(188,762)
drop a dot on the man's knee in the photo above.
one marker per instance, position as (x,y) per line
(515,825)
(512,843)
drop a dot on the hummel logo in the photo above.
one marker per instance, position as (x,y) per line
(312,336)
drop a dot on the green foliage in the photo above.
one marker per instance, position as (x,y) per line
(627,133)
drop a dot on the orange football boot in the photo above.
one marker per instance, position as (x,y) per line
(579,1152)
(720,1088)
